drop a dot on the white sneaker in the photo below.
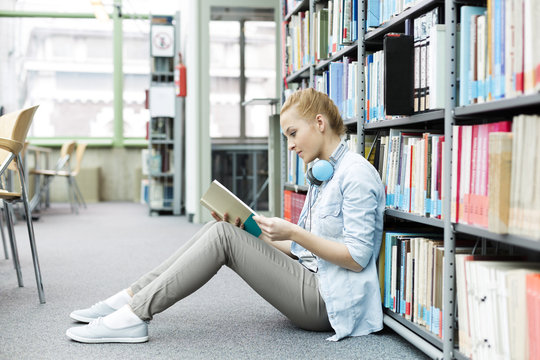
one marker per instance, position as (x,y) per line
(92,313)
(97,332)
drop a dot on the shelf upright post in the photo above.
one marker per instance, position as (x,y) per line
(178,128)
(360,89)
(449,240)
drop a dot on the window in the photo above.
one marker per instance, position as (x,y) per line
(243,70)
(66,66)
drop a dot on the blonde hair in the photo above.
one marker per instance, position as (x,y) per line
(310,102)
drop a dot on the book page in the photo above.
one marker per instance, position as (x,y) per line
(221,200)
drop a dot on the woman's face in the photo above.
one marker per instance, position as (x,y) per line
(303,136)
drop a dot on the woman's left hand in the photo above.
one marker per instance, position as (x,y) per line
(275,228)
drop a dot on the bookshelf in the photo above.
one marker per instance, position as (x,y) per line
(165,126)
(443,121)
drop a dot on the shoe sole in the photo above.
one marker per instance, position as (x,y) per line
(107,340)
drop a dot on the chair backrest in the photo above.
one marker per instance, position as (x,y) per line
(14,126)
(67,148)
(65,154)
(81,148)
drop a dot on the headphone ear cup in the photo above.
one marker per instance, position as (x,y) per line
(312,179)
(321,171)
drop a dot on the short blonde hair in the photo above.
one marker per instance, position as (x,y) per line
(310,102)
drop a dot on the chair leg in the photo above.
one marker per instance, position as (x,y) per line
(72,198)
(30,226)
(78,192)
(3,234)
(13,243)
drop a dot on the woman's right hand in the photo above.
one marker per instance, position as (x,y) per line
(237,222)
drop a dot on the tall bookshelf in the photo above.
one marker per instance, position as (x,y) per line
(443,120)
(165,126)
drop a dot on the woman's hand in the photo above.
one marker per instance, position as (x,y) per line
(275,228)
(237,222)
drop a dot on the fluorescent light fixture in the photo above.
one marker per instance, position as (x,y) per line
(99,10)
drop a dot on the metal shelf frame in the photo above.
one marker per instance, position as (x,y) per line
(441,118)
(425,117)
(415,218)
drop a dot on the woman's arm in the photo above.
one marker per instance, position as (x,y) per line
(276,229)
(282,245)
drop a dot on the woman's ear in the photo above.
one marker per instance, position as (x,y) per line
(321,122)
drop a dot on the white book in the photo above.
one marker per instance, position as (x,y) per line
(437,66)
(481,52)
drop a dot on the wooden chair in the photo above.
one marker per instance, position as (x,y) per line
(13,130)
(62,165)
(73,188)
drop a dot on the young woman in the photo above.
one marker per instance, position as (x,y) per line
(324,268)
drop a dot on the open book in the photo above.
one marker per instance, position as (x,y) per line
(221,200)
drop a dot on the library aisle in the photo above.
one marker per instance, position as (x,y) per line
(87,257)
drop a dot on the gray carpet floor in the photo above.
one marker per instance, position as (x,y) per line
(88,257)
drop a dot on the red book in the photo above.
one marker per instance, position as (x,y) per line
(471,206)
(440,146)
(287,205)
(458,173)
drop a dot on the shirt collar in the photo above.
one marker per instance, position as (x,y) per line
(338,153)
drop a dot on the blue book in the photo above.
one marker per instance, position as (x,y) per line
(354,21)
(373,13)
(300,175)
(464,56)
(336,84)
(369,66)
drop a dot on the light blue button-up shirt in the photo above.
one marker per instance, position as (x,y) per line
(348,209)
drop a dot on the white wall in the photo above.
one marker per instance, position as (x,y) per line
(198,146)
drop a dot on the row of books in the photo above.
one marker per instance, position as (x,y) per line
(296,53)
(473,160)
(499,190)
(489,163)
(425,54)
(293,202)
(296,168)
(411,273)
(335,25)
(498,50)
(428,67)
(158,160)
(157,194)
(498,303)
(340,82)
(411,171)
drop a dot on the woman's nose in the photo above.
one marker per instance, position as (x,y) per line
(290,145)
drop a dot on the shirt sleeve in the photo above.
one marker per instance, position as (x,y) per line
(360,206)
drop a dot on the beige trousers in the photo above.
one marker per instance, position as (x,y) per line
(279,279)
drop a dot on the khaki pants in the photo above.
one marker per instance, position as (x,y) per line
(279,279)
